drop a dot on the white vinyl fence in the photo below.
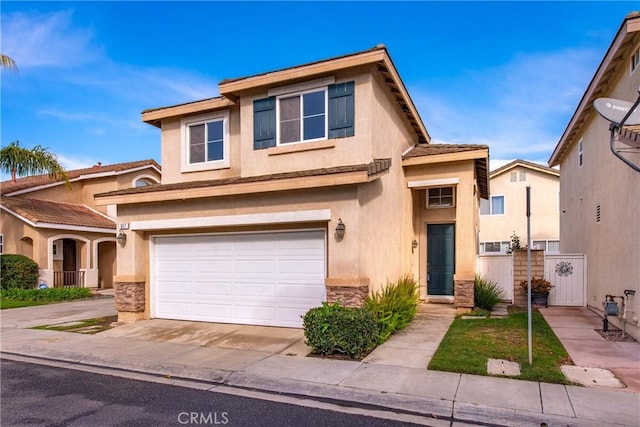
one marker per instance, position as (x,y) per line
(497,268)
(566,272)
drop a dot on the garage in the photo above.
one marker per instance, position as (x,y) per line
(247,278)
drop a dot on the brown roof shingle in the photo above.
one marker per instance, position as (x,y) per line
(375,167)
(525,164)
(43,211)
(7,187)
(434,149)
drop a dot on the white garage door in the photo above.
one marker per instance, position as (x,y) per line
(257,278)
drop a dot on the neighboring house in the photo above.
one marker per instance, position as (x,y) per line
(599,193)
(505,213)
(305,184)
(72,240)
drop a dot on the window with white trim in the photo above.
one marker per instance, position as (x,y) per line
(494,206)
(546,245)
(580,152)
(441,197)
(494,247)
(205,142)
(302,117)
(1,244)
(635,59)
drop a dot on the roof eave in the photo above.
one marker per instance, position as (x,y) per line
(155,116)
(630,24)
(446,157)
(234,189)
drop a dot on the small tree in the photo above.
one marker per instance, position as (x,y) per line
(515,243)
(19,161)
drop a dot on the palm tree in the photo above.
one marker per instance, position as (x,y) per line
(19,161)
(7,62)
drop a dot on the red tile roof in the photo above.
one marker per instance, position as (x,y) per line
(43,211)
(7,187)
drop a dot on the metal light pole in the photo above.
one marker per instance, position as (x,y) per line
(529,344)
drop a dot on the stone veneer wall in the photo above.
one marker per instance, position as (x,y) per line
(349,296)
(463,295)
(129,296)
(520,273)
(350,291)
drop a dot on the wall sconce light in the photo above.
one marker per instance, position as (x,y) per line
(414,245)
(121,238)
(340,229)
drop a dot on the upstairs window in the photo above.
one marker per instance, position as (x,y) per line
(440,197)
(494,206)
(313,114)
(205,142)
(302,117)
(1,244)
(635,59)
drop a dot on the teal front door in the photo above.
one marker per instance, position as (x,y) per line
(440,259)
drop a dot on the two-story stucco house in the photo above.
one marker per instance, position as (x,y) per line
(296,186)
(59,226)
(505,213)
(599,192)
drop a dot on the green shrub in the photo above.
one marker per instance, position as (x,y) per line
(486,293)
(18,271)
(394,306)
(332,328)
(44,295)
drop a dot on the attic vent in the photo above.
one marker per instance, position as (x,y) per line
(598,213)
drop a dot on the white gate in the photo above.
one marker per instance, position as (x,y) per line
(567,273)
(497,268)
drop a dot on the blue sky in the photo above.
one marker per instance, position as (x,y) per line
(505,74)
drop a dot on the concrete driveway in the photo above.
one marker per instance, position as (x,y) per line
(288,341)
(28,317)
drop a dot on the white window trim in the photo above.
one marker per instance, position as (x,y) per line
(142,177)
(453,201)
(184,132)
(580,153)
(1,243)
(635,60)
(300,93)
(504,206)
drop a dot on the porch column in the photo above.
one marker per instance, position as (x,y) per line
(130,282)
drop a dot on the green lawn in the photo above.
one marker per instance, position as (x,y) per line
(14,297)
(469,343)
(17,304)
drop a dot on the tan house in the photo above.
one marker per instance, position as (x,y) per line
(59,226)
(305,184)
(599,192)
(505,213)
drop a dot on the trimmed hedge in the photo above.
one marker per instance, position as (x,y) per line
(394,306)
(18,271)
(332,329)
(45,295)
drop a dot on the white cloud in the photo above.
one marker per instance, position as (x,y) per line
(519,109)
(48,39)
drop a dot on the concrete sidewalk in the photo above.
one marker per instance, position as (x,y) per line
(393,377)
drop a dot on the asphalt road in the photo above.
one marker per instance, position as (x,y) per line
(38,395)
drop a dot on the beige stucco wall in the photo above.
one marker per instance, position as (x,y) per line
(463,215)
(545,217)
(612,246)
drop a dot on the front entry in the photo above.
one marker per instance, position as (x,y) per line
(440,259)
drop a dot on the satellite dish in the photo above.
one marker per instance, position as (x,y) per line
(614,111)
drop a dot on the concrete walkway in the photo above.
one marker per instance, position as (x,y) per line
(393,377)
